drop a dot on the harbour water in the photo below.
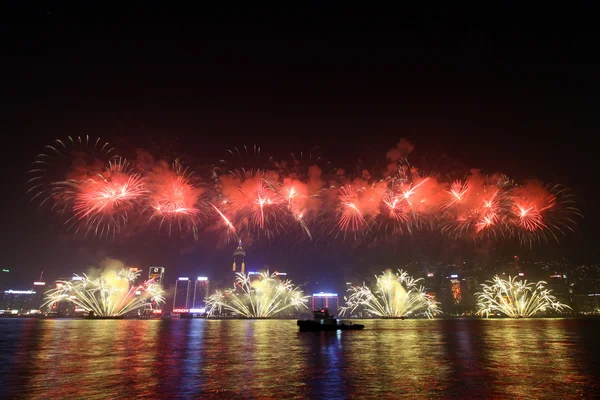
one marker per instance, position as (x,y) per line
(107,359)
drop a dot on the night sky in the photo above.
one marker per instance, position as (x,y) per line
(512,89)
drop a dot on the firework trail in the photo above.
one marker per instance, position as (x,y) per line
(397,295)
(516,298)
(231,231)
(264,297)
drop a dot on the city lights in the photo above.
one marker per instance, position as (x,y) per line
(321,294)
(19,292)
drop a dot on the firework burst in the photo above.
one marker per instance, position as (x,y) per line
(101,205)
(63,163)
(396,295)
(113,294)
(516,298)
(263,297)
(174,199)
(256,197)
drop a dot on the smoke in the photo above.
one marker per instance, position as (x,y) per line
(402,150)
(144,160)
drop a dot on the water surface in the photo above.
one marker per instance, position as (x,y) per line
(101,359)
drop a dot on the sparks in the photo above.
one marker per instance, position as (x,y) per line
(516,298)
(113,294)
(396,295)
(265,297)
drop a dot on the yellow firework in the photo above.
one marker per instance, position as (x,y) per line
(263,297)
(113,294)
(516,298)
(397,295)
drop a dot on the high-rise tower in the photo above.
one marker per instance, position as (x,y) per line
(181,298)
(156,273)
(238,258)
(200,293)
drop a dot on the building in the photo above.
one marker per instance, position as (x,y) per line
(254,275)
(238,259)
(157,273)
(181,298)
(432,285)
(37,301)
(560,288)
(450,294)
(200,293)
(17,301)
(325,301)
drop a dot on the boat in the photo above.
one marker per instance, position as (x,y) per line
(323,321)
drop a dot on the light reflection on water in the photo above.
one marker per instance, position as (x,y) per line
(539,358)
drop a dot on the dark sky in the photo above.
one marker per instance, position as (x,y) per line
(508,88)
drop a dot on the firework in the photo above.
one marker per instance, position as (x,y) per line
(263,297)
(255,203)
(113,294)
(102,204)
(541,212)
(174,198)
(516,298)
(255,196)
(396,295)
(64,162)
(231,231)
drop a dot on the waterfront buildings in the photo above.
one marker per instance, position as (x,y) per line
(16,301)
(157,273)
(181,297)
(323,300)
(201,286)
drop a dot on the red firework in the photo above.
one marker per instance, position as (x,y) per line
(102,204)
(174,199)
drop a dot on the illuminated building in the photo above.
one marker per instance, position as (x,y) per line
(455,288)
(254,275)
(156,273)
(37,301)
(200,293)
(324,301)
(432,285)
(15,301)
(181,298)
(238,259)
(560,288)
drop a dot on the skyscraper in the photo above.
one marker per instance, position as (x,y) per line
(238,258)
(181,299)
(156,273)
(200,293)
